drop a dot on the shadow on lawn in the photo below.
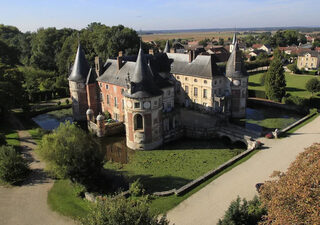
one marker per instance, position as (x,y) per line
(292,89)
(252,84)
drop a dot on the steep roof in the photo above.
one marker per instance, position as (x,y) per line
(202,66)
(142,84)
(234,40)
(92,76)
(235,67)
(80,67)
(167,48)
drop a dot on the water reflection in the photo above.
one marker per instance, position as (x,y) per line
(115,149)
(50,122)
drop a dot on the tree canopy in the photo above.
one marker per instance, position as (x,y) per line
(293,198)
(313,85)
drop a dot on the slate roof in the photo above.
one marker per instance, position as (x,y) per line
(202,66)
(235,67)
(312,53)
(80,67)
(167,48)
(92,76)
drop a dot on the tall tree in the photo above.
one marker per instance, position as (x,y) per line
(275,81)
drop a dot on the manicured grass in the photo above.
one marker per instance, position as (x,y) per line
(63,198)
(173,166)
(295,84)
(11,134)
(303,124)
(161,205)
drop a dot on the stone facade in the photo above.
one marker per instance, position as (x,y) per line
(308,60)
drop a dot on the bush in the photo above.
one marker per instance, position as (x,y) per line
(13,168)
(2,139)
(119,210)
(249,213)
(67,101)
(59,103)
(71,153)
(297,101)
(293,67)
(293,198)
(136,188)
(313,85)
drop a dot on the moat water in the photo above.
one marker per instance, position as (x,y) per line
(257,119)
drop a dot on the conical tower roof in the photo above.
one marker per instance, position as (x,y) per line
(234,40)
(80,67)
(235,67)
(167,48)
(142,83)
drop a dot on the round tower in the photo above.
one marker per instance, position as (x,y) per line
(238,83)
(100,126)
(143,108)
(90,115)
(77,86)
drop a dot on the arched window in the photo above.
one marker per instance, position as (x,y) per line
(138,122)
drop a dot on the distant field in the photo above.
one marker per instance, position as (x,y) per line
(197,36)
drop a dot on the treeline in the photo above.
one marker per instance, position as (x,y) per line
(281,38)
(44,58)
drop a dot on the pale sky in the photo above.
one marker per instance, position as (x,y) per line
(29,15)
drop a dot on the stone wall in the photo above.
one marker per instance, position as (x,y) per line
(268,103)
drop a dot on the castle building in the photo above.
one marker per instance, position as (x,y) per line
(147,92)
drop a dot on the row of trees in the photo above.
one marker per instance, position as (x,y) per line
(281,38)
(289,198)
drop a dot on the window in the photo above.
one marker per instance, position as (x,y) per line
(215,82)
(101,97)
(186,78)
(178,77)
(122,103)
(108,101)
(155,103)
(205,93)
(115,102)
(138,122)
(205,81)
(137,105)
(195,80)
(186,89)
(195,91)
(107,86)
(115,116)
(122,90)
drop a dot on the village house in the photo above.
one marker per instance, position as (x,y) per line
(308,60)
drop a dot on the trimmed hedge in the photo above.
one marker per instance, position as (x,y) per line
(314,102)
(257,94)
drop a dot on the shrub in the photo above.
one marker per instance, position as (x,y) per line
(313,85)
(71,153)
(119,210)
(257,93)
(293,198)
(136,188)
(293,67)
(300,102)
(13,168)
(67,101)
(249,213)
(59,103)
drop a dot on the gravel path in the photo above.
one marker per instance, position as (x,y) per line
(27,204)
(209,204)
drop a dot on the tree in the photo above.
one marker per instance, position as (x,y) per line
(119,210)
(71,153)
(13,168)
(204,42)
(221,41)
(293,67)
(245,213)
(275,82)
(313,85)
(293,198)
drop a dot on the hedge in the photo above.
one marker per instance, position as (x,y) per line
(257,94)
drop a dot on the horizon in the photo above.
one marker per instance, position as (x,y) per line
(173,15)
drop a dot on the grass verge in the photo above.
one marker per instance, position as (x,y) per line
(63,198)
(303,124)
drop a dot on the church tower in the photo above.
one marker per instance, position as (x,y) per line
(143,108)
(238,80)
(77,85)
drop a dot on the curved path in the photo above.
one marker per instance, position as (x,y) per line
(210,203)
(27,204)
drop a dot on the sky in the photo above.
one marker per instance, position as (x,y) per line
(29,15)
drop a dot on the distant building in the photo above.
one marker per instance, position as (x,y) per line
(308,60)
(146,92)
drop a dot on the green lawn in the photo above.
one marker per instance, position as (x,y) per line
(11,134)
(295,84)
(63,198)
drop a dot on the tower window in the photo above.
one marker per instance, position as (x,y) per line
(122,103)
(137,105)
(108,101)
(115,102)
(205,81)
(138,122)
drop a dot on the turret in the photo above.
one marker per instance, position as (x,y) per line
(100,126)
(143,108)
(167,48)
(77,85)
(90,116)
(234,41)
(238,83)
(93,92)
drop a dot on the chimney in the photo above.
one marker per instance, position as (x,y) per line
(151,52)
(98,63)
(190,56)
(119,60)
